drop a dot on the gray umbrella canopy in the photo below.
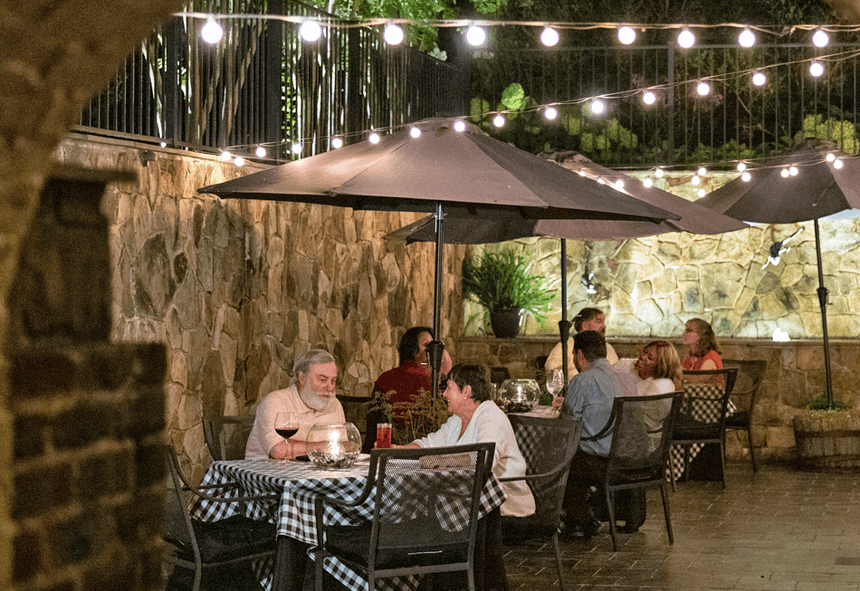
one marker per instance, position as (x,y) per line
(473,229)
(452,167)
(772,196)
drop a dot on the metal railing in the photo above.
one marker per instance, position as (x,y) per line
(263,85)
(736,120)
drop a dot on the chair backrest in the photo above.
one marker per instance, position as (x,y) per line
(428,496)
(227,436)
(548,445)
(707,402)
(641,436)
(750,376)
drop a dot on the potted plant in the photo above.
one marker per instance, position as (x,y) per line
(503,283)
(827,435)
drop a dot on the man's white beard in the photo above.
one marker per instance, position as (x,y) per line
(316,400)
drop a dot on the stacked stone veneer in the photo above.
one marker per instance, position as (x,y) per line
(795,371)
(237,289)
(87,467)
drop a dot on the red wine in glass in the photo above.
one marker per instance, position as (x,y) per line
(286,433)
(287,425)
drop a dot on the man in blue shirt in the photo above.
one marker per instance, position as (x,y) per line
(589,398)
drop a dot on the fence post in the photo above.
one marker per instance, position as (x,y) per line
(273,122)
(670,100)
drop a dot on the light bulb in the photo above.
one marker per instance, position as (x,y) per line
(649,98)
(310,31)
(211,31)
(626,35)
(475,35)
(296,148)
(459,126)
(701,171)
(648,183)
(226,155)
(239,161)
(701,193)
(784,173)
(816,69)
(499,120)
(658,173)
(759,79)
(601,181)
(820,38)
(696,180)
(830,157)
(746,38)
(549,36)
(703,88)
(415,132)
(260,152)
(792,171)
(550,113)
(597,107)
(838,164)
(163,144)
(336,143)
(619,184)
(746,176)
(373,138)
(741,167)
(393,34)
(686,39)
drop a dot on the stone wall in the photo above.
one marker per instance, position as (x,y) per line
(236,289)
(795,371)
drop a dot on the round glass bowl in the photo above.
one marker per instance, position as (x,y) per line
(338,445)
(519,395)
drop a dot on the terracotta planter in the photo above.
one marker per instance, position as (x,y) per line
(505,322)
(828,442)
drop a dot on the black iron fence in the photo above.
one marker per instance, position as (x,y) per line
(262,85)
(737,119)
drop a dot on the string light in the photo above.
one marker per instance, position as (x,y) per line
(741,167)
(239,161)
(759,79)
(701,193)
(260,152)
(792,171)
(686,39)
(550,113)
(310,31)
(784,173)
(226,155)
(459,126)
(549,36)
(696,180)
(597,106)
(626,35)
(702,171)
(746,176)
(393,34)
(820,38)
(658,173)
(211,31)
(648,183)
(837,164)
(475,35)
(336,143)
(619,184)
(816,69)
(703,88)
(414,132)
(746,38)
(373,138)
(296,148)
(499,120)
(830,157)
(649,98)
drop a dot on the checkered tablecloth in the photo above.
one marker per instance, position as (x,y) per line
(298,483)
(703,402)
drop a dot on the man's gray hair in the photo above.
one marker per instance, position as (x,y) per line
(305,362)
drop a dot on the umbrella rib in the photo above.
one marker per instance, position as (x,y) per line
(823,192)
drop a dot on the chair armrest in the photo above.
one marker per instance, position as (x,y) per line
(527,477)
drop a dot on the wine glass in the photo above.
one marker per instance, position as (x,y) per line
(287,425)
(554,384)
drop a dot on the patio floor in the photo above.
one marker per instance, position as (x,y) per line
(778,530)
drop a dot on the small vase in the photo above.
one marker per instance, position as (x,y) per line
(505,322)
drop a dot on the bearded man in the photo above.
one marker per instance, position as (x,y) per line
(310,396)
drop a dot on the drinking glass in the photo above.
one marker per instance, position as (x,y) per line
(287,425)
(554,384)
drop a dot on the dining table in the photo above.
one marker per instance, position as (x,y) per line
(298,483)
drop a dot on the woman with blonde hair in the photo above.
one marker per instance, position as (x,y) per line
(659,369)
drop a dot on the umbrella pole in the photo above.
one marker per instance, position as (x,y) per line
(564,323)
(435,347)
(822,301)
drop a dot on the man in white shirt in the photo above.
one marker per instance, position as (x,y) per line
(587,319)
(310,396)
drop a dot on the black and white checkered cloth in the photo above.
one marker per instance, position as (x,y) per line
(703,402)
(298,483)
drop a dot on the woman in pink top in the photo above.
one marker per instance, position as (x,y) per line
(703,351)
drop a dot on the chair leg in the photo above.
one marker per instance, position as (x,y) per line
(555,545)
(686,464)
(671,470)
(318,570)
(723,460)
(665,498)
(610,506)
(198,577)
(752,451)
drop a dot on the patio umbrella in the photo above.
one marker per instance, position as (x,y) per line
(452,166)
(818,189)
(472,229)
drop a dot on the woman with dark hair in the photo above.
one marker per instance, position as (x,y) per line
(703,351)
(477,419)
